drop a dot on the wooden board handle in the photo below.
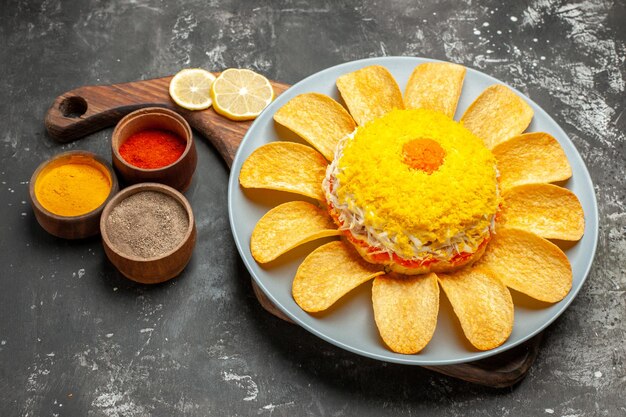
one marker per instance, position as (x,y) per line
(88,109)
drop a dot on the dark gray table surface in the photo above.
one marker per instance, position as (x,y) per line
(77,339)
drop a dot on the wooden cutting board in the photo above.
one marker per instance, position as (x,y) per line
(88,109)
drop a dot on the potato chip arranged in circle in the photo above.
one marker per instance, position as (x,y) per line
(547,210)
(529,264)
(435,86)
(285,166)
(497,114)
(405,310)
(370,93)
(483,305)
(288,226)
(318,119)
(328,273)
(531,158)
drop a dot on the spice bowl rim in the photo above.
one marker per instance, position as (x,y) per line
(114,189)
(146,111)
(135,189)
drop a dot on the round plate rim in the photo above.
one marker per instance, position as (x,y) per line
(393,357)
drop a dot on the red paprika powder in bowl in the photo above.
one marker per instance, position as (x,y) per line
(154,145)
(152,148)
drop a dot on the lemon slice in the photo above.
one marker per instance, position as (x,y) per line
(191,88)
(241,94)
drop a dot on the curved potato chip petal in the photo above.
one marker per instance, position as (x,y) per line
(328,273)
(405,310)
(435,86)
(370,93)
(497,114)
(285,166)
(483,305)
(546,210)
(531,158)
(529,264)
(318,119)
(287,226)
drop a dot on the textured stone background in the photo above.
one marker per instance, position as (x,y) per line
(76,339)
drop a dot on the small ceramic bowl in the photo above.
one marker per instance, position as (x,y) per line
(71,227)
(155,269)
(177,175)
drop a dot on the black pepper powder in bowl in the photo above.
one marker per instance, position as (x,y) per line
(147,224)
(148,232)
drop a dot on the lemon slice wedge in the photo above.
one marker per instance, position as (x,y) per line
(191,88)
(241,94)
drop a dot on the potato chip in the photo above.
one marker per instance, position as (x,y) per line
(546,210)
(529,264)
(369,93)
(435,86)
(483,305)
(328,273)
(285,166)
(287,226)
(405,310)
(497,114)
(531,158)
(318,119)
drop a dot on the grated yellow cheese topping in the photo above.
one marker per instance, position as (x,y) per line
(412,207)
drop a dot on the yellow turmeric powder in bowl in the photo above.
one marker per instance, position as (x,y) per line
(69,191)
(73,186)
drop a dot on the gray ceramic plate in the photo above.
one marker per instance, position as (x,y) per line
(350,323)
